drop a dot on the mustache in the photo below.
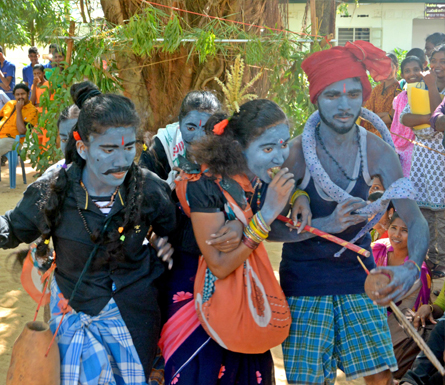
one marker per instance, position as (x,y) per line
(117,169)
(345,115)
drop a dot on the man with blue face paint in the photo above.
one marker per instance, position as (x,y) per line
(97,213)
(334,323)
(175,140)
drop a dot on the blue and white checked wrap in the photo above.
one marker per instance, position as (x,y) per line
(400,189)
(95,350)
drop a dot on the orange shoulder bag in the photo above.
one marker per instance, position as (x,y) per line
(247,311)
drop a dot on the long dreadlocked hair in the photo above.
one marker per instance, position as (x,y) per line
(98,113)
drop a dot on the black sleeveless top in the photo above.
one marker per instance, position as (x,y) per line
(309,268)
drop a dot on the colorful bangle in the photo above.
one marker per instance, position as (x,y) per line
(297,194)
(262,222)
(249,242)
(248,232)
(258,229)
(415,264)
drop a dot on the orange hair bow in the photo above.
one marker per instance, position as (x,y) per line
(76,136)
(218,129)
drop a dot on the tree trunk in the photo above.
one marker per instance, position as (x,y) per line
(160,83)
(326,11)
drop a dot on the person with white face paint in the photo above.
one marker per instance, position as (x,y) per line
(334,323)
(98,213)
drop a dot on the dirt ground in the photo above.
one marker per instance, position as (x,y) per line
(17,308)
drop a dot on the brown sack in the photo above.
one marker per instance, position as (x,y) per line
(28,362)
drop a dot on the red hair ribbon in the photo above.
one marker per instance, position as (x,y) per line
(218,129)
(76,136)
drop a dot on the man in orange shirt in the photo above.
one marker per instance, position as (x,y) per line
(17,116)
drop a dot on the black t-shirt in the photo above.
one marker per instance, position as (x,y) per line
(204,196)
(73,244)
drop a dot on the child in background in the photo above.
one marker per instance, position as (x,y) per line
(39,85)
(411,68)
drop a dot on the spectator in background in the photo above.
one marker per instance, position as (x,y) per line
(28,75)
(17,116)
(393,251)
(39,85)
(382,97)
(7,75)
(52,48)
(58,56)
(417,52)
(411,73)
(432,41)
(428,167)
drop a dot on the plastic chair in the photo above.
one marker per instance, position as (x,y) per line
(13,156)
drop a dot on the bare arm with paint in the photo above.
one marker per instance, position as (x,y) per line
(383,161)
(335,223)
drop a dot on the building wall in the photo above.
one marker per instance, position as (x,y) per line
(392,24)
(422,28)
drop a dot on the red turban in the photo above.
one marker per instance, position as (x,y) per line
(338,63)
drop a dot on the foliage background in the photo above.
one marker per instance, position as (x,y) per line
(152,32)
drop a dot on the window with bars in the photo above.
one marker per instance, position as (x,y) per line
(352,34)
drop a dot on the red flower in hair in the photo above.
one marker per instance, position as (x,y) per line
(76,135)
(218,129)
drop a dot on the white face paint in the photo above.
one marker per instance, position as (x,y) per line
(268,151)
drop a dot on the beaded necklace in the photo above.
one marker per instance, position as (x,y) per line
(90,233)
(258,185)
(111,199)
(317,134)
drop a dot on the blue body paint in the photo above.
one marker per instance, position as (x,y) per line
(107,159)
(192,127)
(267,151)
(339,105)
(65,128)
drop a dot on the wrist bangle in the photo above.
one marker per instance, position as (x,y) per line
(432,309)
(250,243)
(415,264)
(296,195)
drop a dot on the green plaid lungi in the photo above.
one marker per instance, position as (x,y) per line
(347,332)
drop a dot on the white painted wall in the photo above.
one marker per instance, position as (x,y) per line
(400,25)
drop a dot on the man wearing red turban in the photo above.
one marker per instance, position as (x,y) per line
(353,60)
(334,323)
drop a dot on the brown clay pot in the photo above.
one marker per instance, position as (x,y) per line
(375,282)
(28,362)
